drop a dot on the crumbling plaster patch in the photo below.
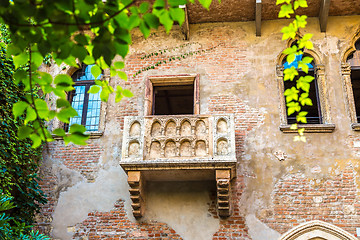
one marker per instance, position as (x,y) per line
(259,230)
(184,206)
(75,204)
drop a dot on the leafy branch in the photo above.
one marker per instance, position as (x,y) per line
(297,96)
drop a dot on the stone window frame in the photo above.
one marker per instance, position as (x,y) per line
(69,70)
(166,80)
(319,68)
(346,76)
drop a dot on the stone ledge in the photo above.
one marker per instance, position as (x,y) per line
(355,126)
(92,135)
(310,128)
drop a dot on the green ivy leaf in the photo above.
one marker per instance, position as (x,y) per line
(59,132)
(21,59)
(19,108)
(96,71)
(61,102)
(177,14)
(122,75)
(144,28)
(119,65)
(205,3)
(30,115)
(24,132)
(127,93)
(94,89)
(42,108)
(286,10)
(151,20)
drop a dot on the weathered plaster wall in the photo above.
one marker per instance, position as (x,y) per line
(318,179)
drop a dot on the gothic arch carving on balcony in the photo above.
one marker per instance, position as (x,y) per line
(317,230)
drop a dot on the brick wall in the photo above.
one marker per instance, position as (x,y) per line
(297,199)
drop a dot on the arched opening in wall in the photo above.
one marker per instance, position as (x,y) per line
(317,230)
(318,117)
(87,105)
(314,111)
(354,61)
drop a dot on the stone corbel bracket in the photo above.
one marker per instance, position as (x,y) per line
(223,186)
(136,184)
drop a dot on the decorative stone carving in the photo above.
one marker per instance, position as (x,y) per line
(134,148)
(222,147)
(185,129)
(156,129)
(155,150)
(317,230)
(200,148)
(170,149)
(192,147)
(221,126)
(135,129)
(185,149)
(170,128)
(200,128)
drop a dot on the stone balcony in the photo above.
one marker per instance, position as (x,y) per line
(179,148)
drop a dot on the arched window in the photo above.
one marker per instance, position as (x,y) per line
(318,117)
(314,111)
(87,105)
(354,61)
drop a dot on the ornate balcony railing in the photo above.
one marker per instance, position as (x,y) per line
(178,139)
(178,148)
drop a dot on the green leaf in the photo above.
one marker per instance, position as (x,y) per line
(63,82)
(36,139)
(94,89)
(144,29)
(176,3)
(127,93)
(289,31)
(307,60)
(66,113)
(119,65)
(122,49)
(151,20)
(30,115)
(303,3)
(24,132)
(291,94)
(82,39)
(205,3)
(20,59)
(177,14)
(19,108)
(36,59)
(59,132)
(144,7)
(290,73)
(118,94)
(122,75)
(309,45)
(20,75)
(42,108)
(286,10)
(159,4)
(96,71)
(166,21)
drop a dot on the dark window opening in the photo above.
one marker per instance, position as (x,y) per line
(86,105)
(314,111)
(355,82)
(354,61)
(173,100)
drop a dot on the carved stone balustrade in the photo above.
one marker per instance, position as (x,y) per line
(179,148)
